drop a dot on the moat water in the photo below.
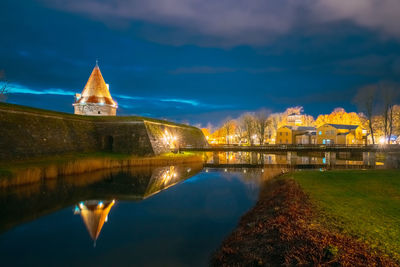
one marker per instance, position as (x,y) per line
(164,216)
(169,216)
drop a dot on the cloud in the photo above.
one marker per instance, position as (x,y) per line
(20,89)
(239,21)
(376,14)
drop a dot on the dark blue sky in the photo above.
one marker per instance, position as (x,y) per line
(199,61)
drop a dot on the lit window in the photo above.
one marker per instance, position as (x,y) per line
(320,133)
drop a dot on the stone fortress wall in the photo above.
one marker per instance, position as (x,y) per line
(28,132)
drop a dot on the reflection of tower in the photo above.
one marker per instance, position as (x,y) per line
(94,214)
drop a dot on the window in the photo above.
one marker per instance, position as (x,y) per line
(320,132)
(287,133)
(98,112)
(280,133)
(323,141)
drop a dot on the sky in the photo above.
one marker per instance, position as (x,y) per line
(199,61)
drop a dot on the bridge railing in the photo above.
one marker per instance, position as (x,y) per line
(298,147)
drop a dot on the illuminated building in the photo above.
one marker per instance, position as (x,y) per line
(95,99)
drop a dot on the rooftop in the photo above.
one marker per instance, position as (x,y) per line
(344,126)
(96,90)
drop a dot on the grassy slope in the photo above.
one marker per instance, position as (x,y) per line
(6,106)
(364,204)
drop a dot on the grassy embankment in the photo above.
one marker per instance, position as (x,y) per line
(38,111)
(20,172)
(361,204)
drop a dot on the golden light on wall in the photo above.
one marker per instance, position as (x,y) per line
(169,139)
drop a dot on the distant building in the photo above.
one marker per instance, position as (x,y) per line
(295,135)
(295,119)
(95,99)
(342,134)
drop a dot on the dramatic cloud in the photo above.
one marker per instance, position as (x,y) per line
(240,21)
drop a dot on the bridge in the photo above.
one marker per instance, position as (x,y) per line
(295,148)
(247,166)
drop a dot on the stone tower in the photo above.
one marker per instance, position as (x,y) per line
(95,99)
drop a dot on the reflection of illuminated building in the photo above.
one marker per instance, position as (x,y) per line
(163,178)
(94,214)
(168,175)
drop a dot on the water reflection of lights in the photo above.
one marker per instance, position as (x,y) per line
(168,174)
(94,214)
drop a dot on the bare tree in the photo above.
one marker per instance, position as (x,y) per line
(261,121)
(389,94)
(275,120)
(366,102)
(3,87)
(248,121)
(240,129)
(228,126)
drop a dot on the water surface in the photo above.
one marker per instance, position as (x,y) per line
(169,216)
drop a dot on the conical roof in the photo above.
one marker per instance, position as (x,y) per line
(96,90)
(94,214)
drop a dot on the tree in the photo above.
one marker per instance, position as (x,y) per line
(240,129)
(366,102)
(3,87)
(261,121)
(248,121)
(229,126)
(389,94)
(339,116)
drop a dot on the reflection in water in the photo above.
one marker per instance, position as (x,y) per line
(181,226)
(132,184)
(306,159)
(94,214)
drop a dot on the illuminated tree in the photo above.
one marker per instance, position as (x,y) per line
(248,122)
(366,102)
(339,116)
(389,94)
(261,121)
(240,129)
(229,127)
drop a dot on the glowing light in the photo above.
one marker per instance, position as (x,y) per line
(225,170)
(382,140)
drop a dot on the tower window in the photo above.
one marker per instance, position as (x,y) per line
(98,112)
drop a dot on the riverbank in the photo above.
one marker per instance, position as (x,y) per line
(287,227)
(22,172)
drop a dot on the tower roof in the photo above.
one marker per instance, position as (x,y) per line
(94,214)
(96,90)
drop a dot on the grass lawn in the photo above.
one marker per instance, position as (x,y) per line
(363,204)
